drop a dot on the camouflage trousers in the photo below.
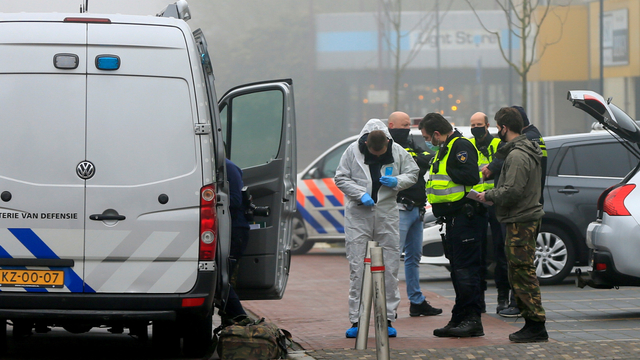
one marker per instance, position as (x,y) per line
(520,248)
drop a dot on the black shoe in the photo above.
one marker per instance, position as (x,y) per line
(444,331)
(532,331)
(471,326)
(503,300)
(510,312)
(424,309)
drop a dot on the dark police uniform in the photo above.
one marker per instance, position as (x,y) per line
(453,173)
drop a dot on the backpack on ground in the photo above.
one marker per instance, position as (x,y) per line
(251,339)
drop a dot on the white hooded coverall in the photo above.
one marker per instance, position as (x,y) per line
(373,223)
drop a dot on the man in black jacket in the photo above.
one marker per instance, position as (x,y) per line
(411,203)
(453,173)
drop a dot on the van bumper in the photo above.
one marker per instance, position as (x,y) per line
(108,307)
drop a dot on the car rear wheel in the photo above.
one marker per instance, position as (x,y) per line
(555,255)
(165,338)
(198,332)
(299,243)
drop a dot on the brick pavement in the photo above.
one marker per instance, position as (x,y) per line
(314,310)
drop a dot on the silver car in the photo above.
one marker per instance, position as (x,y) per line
(614,237)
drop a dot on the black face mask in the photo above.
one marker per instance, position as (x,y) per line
(503,137)
(400,135)
(479,132)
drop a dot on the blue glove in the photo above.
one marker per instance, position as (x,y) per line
(389,181)
(367,200)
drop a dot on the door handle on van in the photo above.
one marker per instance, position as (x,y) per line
(102,217)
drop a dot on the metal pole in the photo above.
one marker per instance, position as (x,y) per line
(438,53)
(379,304)
(510,58)
(365,300)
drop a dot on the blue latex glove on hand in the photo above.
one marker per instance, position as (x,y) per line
(389,181)
(367,200)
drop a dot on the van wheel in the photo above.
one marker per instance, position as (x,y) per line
(299,243)
(165,338)
(197,335)
(555,255)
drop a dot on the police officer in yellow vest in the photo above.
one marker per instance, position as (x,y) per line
(487,146)
(453,173)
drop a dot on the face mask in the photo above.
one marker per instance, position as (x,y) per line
(503,137)
(400,135)
(479,132)
(430,146)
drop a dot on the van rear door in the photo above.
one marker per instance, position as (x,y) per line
(259,131)
(42,121)
(142,203)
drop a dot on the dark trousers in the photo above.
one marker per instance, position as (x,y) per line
(239,239)
(501,272)
(463,248)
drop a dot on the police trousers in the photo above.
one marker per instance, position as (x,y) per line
(463,247)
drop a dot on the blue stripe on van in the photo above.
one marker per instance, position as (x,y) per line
(336,224)
(41,251)
(332,199)
(309,219)
(314,201)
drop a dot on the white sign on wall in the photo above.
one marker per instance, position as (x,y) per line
(615,42)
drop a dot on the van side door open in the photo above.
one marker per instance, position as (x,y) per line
(258,123)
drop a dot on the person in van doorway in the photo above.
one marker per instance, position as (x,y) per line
(233,310)
(533,134)
(487,146)
(517,200)
(371,172)
(411,203)
(453,173)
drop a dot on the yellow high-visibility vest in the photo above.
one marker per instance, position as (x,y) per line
(484,185)
(440,187)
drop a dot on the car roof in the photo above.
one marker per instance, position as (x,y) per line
(557,140)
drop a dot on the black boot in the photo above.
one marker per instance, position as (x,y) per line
(533,331)
(470,326)
(503,300)
(512,310)
(444,331)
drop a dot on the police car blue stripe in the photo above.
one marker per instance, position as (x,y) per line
(309,219)
(4,254)
(41,251)
(336,224)
(314,201)
(332,199)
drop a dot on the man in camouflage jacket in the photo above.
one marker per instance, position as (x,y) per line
(517,200)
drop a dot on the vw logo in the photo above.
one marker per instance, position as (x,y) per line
(85,170)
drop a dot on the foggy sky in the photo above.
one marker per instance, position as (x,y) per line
(132,7)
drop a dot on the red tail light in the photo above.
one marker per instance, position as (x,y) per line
(87,20)
(601,267)
(208,225)
(614,202)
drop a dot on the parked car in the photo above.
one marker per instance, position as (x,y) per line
(613,236)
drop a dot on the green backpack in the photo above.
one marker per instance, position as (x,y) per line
(255,340)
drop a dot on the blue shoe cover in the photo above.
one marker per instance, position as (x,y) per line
(392,332)
(352,332)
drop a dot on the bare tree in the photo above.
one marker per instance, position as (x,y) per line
(390,19)
(524,20)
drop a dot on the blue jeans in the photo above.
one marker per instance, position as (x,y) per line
(411,244)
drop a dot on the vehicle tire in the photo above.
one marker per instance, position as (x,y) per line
(3,336)
(299,243)
(198,332)
(165,338)
(555,255)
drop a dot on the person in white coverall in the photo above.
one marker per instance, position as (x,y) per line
(371,172)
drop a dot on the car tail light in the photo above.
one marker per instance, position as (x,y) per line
(208,225)
(614,202)
(601,266)
(191,302)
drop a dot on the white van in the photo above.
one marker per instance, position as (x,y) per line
(113,193)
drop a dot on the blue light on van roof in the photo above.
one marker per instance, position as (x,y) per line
(107,62)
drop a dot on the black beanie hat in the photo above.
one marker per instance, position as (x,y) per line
(525,119)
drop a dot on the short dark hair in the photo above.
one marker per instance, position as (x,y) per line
(376,140)
(511,118)
(435,122)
